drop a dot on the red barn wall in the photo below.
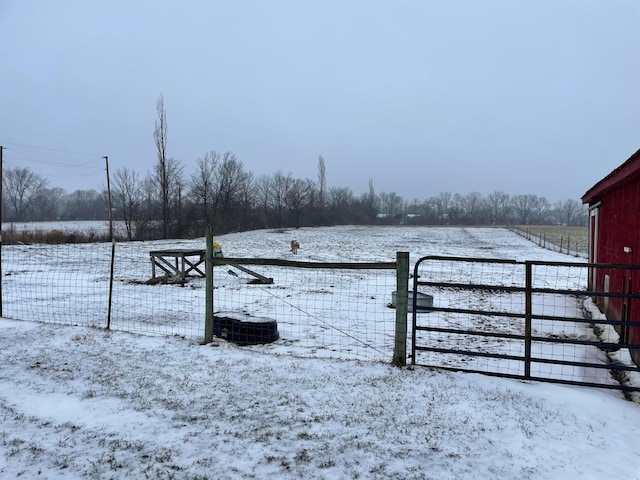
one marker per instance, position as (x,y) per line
(619,227)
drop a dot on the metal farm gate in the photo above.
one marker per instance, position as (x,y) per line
(528,320)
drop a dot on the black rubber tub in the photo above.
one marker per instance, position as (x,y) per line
(244,329)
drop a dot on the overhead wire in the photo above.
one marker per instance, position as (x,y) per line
(20,155)
(52,149)
(16,157)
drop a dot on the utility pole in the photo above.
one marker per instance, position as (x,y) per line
(113,244)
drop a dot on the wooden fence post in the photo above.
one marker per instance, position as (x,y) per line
(208,265)
(402,302)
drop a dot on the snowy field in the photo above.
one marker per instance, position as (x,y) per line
(77,226)
(339,313)
(82,402)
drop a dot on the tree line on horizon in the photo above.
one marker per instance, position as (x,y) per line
(222,194)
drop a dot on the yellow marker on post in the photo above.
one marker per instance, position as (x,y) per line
(217,250)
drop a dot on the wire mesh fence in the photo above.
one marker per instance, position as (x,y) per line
(71,284)
(65,284)
(568,240)
(321,312)
(324,310)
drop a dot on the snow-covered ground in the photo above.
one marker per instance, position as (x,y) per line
(82,402)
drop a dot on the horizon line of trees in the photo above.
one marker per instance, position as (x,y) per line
(221,193)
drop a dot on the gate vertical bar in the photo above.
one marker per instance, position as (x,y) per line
(402,301)
(528,305)
(208,269)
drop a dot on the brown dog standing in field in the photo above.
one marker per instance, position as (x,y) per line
(295,245)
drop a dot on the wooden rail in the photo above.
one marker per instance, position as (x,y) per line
(181,263)
(177,263)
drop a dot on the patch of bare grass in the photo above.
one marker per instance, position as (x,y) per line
(571,240)
(14,236)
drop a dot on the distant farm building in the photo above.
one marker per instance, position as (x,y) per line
(614,238)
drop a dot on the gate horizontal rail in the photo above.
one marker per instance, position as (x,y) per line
(520,319)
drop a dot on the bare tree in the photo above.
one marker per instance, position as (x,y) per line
(127,197)
(413,212)
(176,194)
(49,204)
(22,187)
(231,177)
(144,225)
(570,212)
(168,174)
(475,208)
(540,210)
(370,203)
(340,201)
(456,209)
(263,199)
(297,199)
(86,205)
(443,203)
(322,182)
(247,196)
(523,206)
(312,196)
(203,184)
(429,211)
(279,186)
(498,204)
(391,205)
(162,167)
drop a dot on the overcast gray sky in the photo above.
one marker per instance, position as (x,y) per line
(523,96)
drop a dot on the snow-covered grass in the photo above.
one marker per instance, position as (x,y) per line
(89,403)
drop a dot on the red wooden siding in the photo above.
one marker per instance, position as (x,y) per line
(618,241)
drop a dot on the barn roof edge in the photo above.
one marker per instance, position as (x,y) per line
(625,172)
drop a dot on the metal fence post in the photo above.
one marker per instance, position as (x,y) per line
(528,311)
(402,301)
(208,265)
